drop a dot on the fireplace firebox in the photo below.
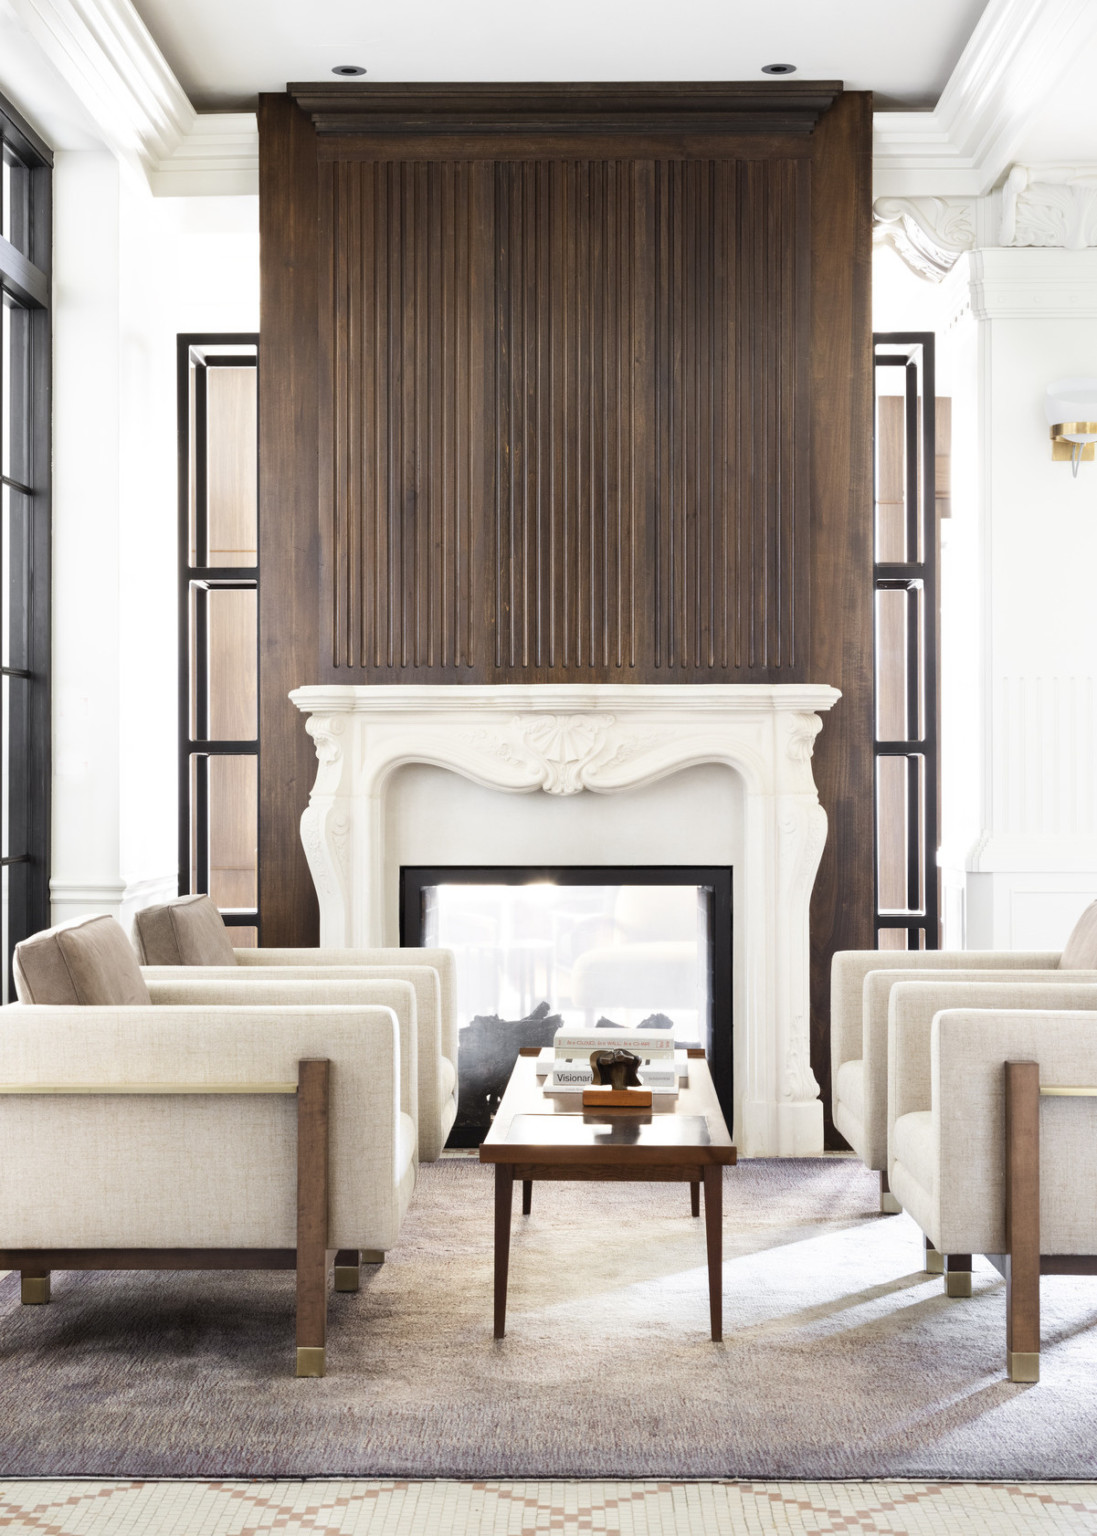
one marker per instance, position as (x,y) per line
(541,946)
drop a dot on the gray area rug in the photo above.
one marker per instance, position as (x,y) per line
(841,1360)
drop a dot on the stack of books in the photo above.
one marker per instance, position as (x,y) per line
(566,1063)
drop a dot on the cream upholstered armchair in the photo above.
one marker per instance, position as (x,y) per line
(994,1145)
(861,983)
(190,933)
(142,1134)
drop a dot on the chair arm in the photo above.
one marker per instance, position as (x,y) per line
(204,1171)
(878,987)
(423,977)
(914,1005)
(968,1051)
(285,989)
(442,960)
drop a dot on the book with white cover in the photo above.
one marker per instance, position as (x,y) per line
(655,1044)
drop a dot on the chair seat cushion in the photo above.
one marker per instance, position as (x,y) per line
(447,1078)
(88,962)
(850,1087)
(189,931)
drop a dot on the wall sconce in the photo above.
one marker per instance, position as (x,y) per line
(1071,406)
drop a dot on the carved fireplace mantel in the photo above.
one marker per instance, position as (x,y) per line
(574,739)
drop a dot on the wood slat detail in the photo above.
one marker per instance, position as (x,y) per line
(396,515)
(564,528)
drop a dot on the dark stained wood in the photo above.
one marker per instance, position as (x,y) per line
(628,496)
(720,107)
(147,1258)
(312,1203)
(594,1162)
(527,1196)
(840,554)
(1023,1267)
(714,1244)
(504,1192)
(289,445)
(694,1198)
(567,401)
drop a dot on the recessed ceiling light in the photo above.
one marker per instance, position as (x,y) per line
(347,69)
(778,69)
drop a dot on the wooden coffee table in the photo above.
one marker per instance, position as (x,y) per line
(539,1135)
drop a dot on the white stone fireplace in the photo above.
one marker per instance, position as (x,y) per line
(619,774)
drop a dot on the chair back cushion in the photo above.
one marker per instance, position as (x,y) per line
(1080,952)
(87,961)
(189,931)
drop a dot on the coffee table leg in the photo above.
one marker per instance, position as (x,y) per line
(695,1199)
(504,1190)
(527,1196)
(714,1237)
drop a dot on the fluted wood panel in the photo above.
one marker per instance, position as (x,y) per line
(567,405)
(731,241)
(568,509)
(402,469)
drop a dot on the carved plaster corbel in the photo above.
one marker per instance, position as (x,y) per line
(1052,205)
(929,233)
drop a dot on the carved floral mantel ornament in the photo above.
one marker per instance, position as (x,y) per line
(570,739)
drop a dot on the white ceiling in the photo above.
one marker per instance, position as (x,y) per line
(225,52)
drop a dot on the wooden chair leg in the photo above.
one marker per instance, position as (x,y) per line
(34,1287)
(527,1196)
(694,1199)
(935,1262)
(957,1274)
(889,1206)
(1023,1220)
(348,1269)
(312,1216)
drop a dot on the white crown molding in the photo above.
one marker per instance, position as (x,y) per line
(1013,60)
(106,55)
(218,156)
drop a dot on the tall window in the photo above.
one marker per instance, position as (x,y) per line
(25,241)
(218,615)
(906,659)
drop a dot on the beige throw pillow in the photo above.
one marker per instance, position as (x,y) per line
(88,961)
(189,931)
(1080,951)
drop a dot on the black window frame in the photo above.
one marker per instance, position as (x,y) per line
(25,597)
(200,579)
(914,353)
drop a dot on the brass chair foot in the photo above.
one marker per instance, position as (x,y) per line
(1023,1367)
(958,1283)
(935,1261)
(347,1277)
(373,1255)
(34,1290)
(311,1361)
(889,1206)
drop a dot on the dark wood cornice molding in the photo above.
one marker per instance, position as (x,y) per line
(689,107)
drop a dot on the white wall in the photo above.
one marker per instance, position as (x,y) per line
(1019,641)
(130,272)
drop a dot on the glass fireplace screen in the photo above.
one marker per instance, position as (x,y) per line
(536,949)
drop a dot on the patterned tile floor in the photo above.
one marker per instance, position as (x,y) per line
(335,1508)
